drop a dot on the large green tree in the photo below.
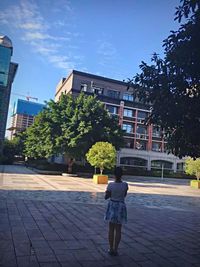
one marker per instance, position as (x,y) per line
(172,84)
(18,142)
(71,126)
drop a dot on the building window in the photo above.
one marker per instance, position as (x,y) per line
(156,132)
(159,164)
(129,143)
(113,93)
(141,145)
(111,109)
(97,90)
(128,113)
(156,146)
(142,130)
(127,127)
(84,87)
(137,162)
(142,115)
(128,97)
(180,166)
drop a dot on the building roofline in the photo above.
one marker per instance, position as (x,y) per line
(66,79)
(94,76)
(28,101)
(99,77)
(5,41)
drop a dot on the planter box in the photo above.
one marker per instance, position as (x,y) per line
(100,179)
(195,184)
(69,174)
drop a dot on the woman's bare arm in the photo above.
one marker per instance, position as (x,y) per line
(107,194)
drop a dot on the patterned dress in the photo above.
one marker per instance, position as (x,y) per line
(116,211)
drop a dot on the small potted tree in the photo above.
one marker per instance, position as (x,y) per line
(193,167)
(101,155)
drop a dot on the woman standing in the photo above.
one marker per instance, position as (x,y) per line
(116,213)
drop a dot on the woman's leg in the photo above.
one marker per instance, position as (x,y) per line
(118,228)
(111,235)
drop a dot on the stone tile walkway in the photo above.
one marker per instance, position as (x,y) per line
(58,221)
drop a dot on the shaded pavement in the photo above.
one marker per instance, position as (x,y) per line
(58,221)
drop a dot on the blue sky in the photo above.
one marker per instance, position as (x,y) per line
(107,37)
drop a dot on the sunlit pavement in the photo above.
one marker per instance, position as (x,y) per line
(58,221)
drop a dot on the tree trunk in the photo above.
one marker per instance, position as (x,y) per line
(198,175)
(70,164)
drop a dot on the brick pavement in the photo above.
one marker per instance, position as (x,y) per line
(58,221)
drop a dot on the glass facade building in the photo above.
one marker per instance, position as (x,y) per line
(24,115)
(7,73)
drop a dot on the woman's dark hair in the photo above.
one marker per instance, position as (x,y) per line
(118,172)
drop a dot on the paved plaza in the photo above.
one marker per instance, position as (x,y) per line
(52,220)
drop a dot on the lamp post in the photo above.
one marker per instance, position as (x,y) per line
(162,171)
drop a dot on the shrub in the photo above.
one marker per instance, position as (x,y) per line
(102,155)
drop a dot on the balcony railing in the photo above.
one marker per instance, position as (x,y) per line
(142,136)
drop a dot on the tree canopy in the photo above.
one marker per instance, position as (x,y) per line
(172,84)
(71,126)
(11,148)
(102,155)
(193,167)
(8,154)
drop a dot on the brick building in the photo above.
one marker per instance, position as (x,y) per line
(145,146)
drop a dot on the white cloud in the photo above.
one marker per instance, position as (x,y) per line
(31,26)
(34,30)
(107,52)
(62,62)
(24,15)
(60,6)
(106,49)
(42,36)
(44,50)
(59,23)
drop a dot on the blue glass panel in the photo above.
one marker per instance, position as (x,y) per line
(28,108)
(5,56)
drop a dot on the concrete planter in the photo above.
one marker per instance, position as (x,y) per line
(44,171)
(69,174)
(195,184)
(100,179)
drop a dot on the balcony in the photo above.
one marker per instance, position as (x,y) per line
(142,136)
